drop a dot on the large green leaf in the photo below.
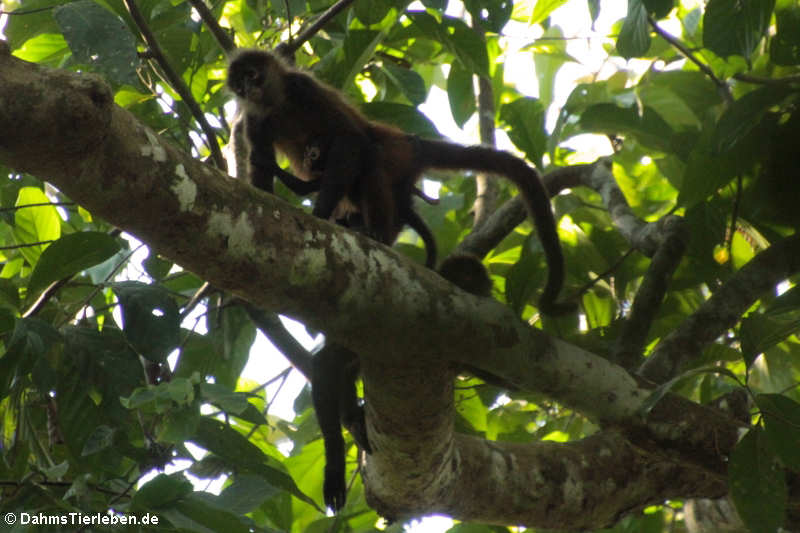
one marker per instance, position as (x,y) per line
(491,14)
(409,82)
(634,38)
(150,319)
(69,255)
(745,113)
(757,484)
(37,20)
(784,47)
(648,128)
(733,27)
(35,224)
(525,118)
(236,450)
(461,40)
(782,427)
(460,94)
(98,37)
(407,118)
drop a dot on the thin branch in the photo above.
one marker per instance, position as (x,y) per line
(42,204)
(223,39)
(721,85)
(486,187)
(724,309)
(761,80)
(25,245)
(176,81)
(630,344)
(312,30)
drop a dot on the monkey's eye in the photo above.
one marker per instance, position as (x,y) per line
(251,75)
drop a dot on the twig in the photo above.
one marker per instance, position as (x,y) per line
(42,204)
(761,80)
(629,347)
(309,32)
(223,39)
(723,87)
(176,81)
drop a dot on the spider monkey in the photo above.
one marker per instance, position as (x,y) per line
(365,174)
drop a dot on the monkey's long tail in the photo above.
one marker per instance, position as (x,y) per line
(446,155)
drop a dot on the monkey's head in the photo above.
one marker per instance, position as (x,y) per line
(256,78)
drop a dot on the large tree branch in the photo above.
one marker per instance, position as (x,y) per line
(67,130)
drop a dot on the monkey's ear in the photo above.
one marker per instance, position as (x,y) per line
(467,272)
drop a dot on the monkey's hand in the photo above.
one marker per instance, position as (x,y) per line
(334,489)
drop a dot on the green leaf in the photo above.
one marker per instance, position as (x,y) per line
(759,333)
(69,255)
(745,114)
(634,37)
(732,27)
(458,38)
(407,118)
(468,46)
(21,28)
(659,8)
(246,493)
(757,484)
(35,224)
(100,38)
(235,449)
(156,267)
(371,12)
(101,438)
(491,14)
(782,427)
(460,94)
(649,128)
(231,402)
(31,340)
(784,47)
(543,8)
(409,82)
(549,55)
(525,118)
(161,491)
(697,94)
(150,319)
(358,47)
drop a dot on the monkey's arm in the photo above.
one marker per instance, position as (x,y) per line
(263,166)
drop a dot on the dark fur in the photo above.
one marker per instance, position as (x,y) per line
(365,174)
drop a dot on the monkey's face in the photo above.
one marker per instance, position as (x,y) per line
(254,77)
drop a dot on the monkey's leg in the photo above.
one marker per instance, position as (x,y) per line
(351,411)
(327,384)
